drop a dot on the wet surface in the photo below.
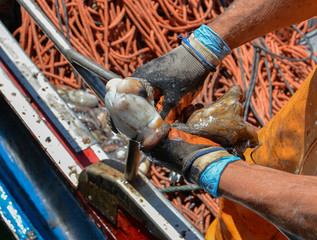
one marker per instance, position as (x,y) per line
(222,122)
(195,204)
(94,115)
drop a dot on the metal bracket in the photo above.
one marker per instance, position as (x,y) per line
(105,181)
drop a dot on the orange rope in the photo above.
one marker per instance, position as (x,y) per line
(123,35)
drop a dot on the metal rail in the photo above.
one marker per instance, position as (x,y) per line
(87,69)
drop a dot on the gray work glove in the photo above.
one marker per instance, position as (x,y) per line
(183,70)
(179,150)
(222,122)
(217,130)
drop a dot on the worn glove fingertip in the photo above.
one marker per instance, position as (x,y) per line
(150,137)
(146,90)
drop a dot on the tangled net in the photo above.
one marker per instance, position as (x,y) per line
(124,34)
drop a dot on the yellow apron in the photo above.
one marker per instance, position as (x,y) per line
(289,144)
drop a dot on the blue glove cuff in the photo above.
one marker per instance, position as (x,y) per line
(212,41)
(209,179)
(186,41)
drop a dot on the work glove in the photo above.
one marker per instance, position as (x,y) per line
(183,70)
(175,146)
(222,123)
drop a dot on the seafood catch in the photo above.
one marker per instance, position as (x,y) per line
(78,97)
(88,109)
(125,98)
(223,123)
(133,114)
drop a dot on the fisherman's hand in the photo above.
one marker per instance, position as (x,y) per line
(183,70)
(222,122)
(213,137)
(133,114)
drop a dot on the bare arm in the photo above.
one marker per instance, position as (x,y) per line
(286,200)
(246,20)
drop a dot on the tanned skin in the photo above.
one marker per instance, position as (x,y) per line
(246,20)
(286,200)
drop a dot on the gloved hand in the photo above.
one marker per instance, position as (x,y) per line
(190,155)
(184,69)
(222,122)
(198,150)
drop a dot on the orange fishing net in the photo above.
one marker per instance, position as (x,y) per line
(124,34)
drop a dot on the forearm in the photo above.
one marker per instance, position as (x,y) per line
(246,20)
(286,200)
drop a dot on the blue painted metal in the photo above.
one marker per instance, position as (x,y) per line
(44,199)
(18,223)
(20,187)
(40,191)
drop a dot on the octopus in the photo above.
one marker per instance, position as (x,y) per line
(93,114)
(222,122)
(131,104)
